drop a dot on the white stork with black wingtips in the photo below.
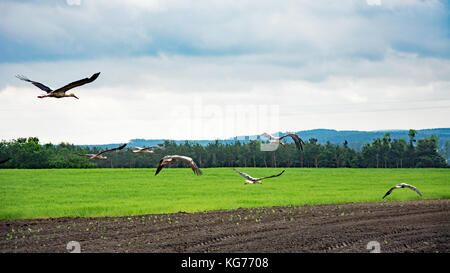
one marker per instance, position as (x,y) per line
(400,186)
(252,180)
(100,155)
(61,92)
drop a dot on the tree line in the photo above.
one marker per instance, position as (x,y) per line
(380,153)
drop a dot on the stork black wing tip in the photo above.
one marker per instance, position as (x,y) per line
(95,76)
(158,169)
(197,171)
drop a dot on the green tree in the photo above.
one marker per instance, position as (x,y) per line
(427,155)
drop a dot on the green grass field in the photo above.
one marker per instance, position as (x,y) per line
(120,192)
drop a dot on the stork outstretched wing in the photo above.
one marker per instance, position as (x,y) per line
(414,189)
(276,175)
(245,175)
(112,150)
(297,140)
(78,83)
(37,84)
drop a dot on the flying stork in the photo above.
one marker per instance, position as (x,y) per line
(100,155)
(400,186)
(252,180)
(61,92)
(173,158)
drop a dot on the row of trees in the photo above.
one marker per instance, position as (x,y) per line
(381,153)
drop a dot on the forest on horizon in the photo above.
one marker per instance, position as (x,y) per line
(385,152)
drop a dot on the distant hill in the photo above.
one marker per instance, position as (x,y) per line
(355,139)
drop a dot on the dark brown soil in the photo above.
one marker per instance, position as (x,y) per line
(412,226)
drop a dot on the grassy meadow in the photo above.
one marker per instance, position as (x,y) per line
(44,193)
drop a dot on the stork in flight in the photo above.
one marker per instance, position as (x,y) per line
(252,180)
(400,186)
(174,158)
(100,155)
(278,140)
(61,92)
(148,149)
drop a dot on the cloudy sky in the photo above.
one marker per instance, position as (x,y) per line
(206,69)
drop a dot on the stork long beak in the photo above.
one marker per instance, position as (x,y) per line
(76,97)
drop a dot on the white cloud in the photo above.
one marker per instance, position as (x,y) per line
(215,97)
(73,2)
(373,2)
(317,29)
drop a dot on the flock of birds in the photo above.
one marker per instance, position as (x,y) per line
(168,159)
